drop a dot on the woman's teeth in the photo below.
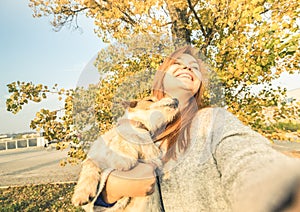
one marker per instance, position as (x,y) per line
(185,76)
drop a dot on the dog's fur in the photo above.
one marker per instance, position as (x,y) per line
(124,146)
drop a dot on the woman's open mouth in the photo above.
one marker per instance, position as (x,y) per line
(186,75)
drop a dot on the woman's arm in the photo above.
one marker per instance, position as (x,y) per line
(139,181)
(255,177)
(114,186)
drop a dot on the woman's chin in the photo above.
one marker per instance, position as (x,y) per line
(186,84)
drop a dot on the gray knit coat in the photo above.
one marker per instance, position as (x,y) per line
(227,167)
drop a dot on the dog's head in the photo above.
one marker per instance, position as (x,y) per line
(151,113)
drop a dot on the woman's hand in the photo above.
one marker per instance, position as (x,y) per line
(139,181)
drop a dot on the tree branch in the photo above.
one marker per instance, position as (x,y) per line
(197,18)
(128,19)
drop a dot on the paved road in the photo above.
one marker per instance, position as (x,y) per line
(286,146)
(35,166)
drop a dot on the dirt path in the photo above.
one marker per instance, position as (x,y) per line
(35,166)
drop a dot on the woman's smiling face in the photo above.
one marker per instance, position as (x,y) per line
(183,74)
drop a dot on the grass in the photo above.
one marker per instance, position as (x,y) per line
(288,126)
(44,197)
(285,126)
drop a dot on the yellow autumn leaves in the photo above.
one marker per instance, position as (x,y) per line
(246,43)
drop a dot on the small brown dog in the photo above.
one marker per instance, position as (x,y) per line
(123,147)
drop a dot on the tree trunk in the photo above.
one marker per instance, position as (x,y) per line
(180,33)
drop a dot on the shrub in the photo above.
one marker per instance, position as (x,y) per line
(45,197)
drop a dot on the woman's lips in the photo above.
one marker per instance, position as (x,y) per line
(187,75)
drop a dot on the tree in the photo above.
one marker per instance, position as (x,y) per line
(246,43)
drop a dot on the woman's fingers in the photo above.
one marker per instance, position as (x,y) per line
(151,189)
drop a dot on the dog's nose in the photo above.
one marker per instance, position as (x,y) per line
(176,102)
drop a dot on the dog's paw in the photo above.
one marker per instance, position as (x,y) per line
(83,196)
(85,191)
(125,164)
(79,200)
(87,184)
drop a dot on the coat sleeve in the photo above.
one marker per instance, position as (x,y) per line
(254,176)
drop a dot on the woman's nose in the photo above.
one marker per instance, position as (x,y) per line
(187,67)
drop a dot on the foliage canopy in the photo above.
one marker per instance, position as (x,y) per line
(247,44)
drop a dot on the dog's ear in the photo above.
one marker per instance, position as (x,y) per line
(151,99)
(131,104)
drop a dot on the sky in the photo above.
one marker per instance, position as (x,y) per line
(31,51)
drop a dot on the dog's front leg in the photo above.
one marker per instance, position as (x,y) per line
(150,153)
(87,183)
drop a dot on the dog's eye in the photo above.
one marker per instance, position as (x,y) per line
(133,104)
(150,100)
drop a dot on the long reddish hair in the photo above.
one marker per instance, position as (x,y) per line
(177,133)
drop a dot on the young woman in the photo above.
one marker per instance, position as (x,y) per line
(212,161)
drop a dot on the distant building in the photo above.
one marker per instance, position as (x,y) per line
(294,94)
(31,135)
(22,140)
(4,136)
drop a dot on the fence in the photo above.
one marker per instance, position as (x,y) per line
(22,143)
